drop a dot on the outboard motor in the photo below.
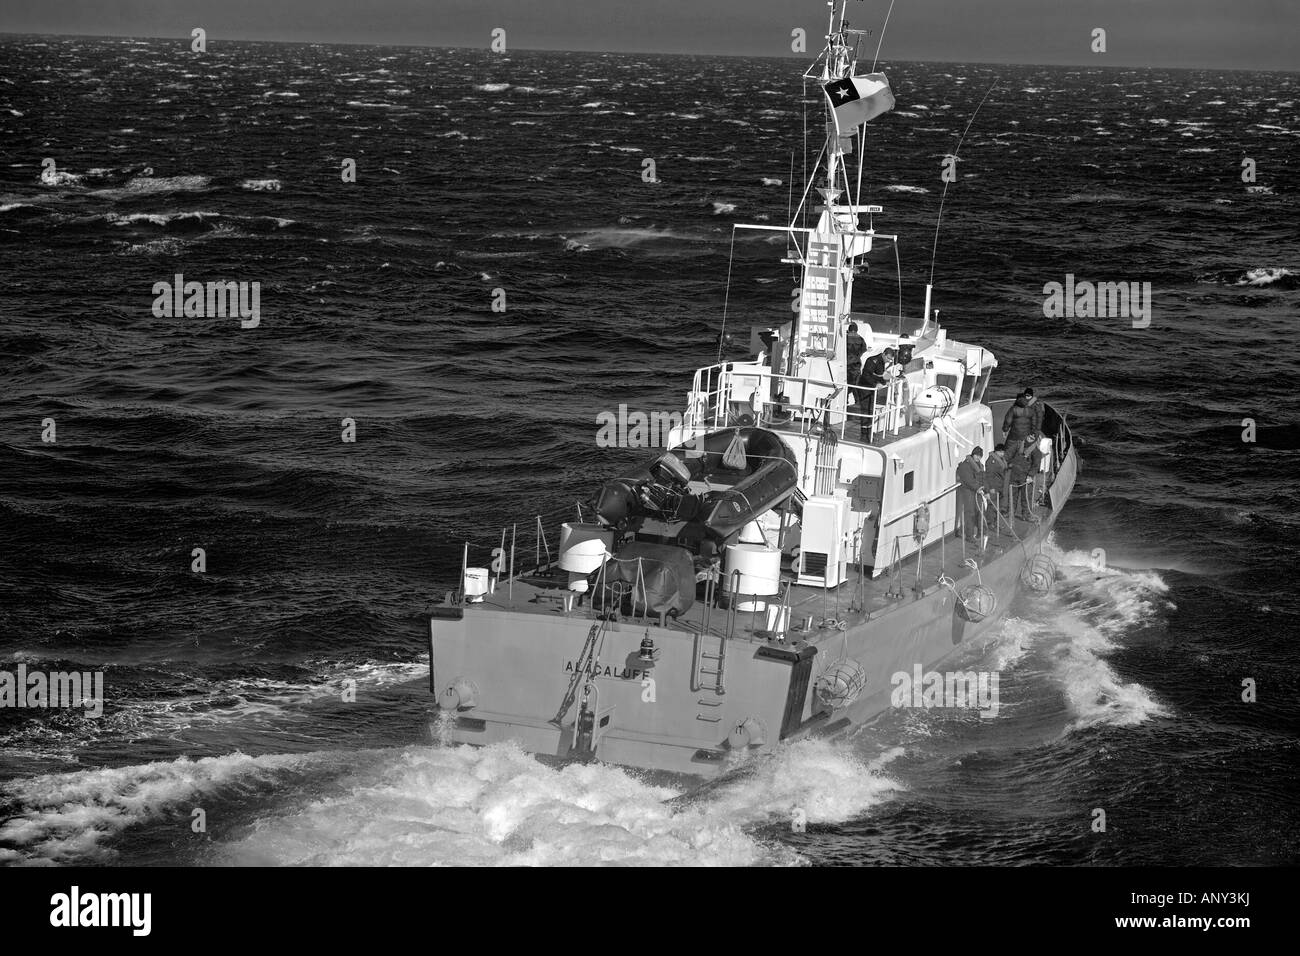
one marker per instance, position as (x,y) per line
(618,503)
(759,470)
(658,489)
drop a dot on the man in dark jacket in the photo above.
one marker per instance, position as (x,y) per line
(970,480)
(874,375)
(1020,475)
(1035,412)
(1016,426)
(854,346)
(995,479)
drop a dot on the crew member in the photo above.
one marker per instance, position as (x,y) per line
(1035,412)
(854,346)
(1020,473)
(875,375)
(1016,426)
(970,481)
(995,479)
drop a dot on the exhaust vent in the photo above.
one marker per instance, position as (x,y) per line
(814,563)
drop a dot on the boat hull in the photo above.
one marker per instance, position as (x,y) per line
(665,697)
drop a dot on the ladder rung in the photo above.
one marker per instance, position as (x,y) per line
(711,720)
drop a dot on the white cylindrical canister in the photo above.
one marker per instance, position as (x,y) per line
(760,574)
(476,583)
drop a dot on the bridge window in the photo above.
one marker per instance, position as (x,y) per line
(907,481)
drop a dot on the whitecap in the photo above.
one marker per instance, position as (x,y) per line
(1264,276)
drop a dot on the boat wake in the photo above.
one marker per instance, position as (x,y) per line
(1054,657)
(432,806)
(1096,606)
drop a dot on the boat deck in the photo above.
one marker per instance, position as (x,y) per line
(813,610)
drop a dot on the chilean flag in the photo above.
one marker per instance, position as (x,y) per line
(856,99)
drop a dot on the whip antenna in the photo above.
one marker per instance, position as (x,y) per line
(956,155)
(875,59)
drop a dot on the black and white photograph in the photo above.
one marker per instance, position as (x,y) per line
(559,433)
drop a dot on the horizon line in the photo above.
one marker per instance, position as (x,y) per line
(733,56)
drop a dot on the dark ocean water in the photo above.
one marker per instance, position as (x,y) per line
(224,689)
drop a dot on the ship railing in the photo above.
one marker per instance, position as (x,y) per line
(522,550)
(991,501)
(730,394)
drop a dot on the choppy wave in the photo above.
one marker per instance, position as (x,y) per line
(433,806)
(620,238)
(1269,276)
(1102,604)
(199,702)
(1261,277)
(154,185)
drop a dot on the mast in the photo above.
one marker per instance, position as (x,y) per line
(826,251)
(821,325)
(838,61)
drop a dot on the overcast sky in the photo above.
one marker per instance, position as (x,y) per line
(1244,34)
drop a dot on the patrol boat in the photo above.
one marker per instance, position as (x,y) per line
(797,547)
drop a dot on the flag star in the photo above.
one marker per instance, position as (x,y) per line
(842,92)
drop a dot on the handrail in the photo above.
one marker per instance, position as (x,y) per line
(716,400)
(943,494)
